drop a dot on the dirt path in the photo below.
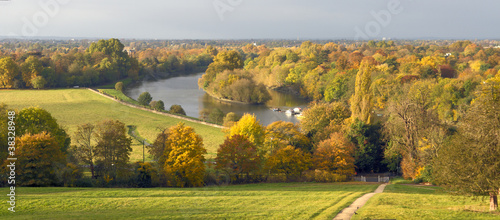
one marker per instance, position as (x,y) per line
(348,212)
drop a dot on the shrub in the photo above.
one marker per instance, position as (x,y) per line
(177,109)
(119,86)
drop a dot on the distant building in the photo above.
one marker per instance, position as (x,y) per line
(130,51)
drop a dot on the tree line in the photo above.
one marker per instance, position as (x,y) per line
(102,62)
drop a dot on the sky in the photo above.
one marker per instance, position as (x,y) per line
(251,19)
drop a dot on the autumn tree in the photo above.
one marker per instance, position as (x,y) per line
(40,159)
(237,156)
(225,60)
(112,150)
(145,98)
(84,147)
(289,161)
(470,162)
(335,155)
(34,120)
(281,134)
(361,105)
(31,68)
(9,71)
(413,128)
(321,119)
(184,157)
(249,127)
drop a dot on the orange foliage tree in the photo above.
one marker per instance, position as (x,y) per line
(335,155)
(237,156)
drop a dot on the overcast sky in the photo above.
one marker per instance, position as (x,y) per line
(245,19)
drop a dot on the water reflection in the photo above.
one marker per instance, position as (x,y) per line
(184,91)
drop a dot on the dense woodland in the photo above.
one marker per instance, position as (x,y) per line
(425,109)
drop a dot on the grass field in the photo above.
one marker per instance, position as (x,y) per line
(72,107)
(253,201)
(412,201)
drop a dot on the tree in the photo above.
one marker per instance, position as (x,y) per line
(31,68)
(39,158)
(230,119)
(84,149)
(470,161)
(249,127)
(216,116)
(362,98)
(413,127)
(368,142)
(321,119)
(113,148)
(289,161)
(184,160)
(38,82)
(159,105)
(34,120)
(145,98)
(237,156)
(177,109)
(281,134)
(119,86)
(335,155)
(9,71)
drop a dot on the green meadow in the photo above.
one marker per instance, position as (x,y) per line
(72,107)
(252,201)
(411,201)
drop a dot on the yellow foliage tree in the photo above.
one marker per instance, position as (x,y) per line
(249,127)
(289,161)
(361,100)
(184,157)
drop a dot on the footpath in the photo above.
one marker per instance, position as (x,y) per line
(156,112)
(348,212)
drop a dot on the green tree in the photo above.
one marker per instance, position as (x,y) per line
(184,160)
(230,119)
(216,116)
(470,162)
(369,145)
(145,98)
(159,106)
(34,120)
(119,86)
(177,109)
(9,71)
(38,82)
(113,149)
(237,156)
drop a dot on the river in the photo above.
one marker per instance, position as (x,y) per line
(184,91)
